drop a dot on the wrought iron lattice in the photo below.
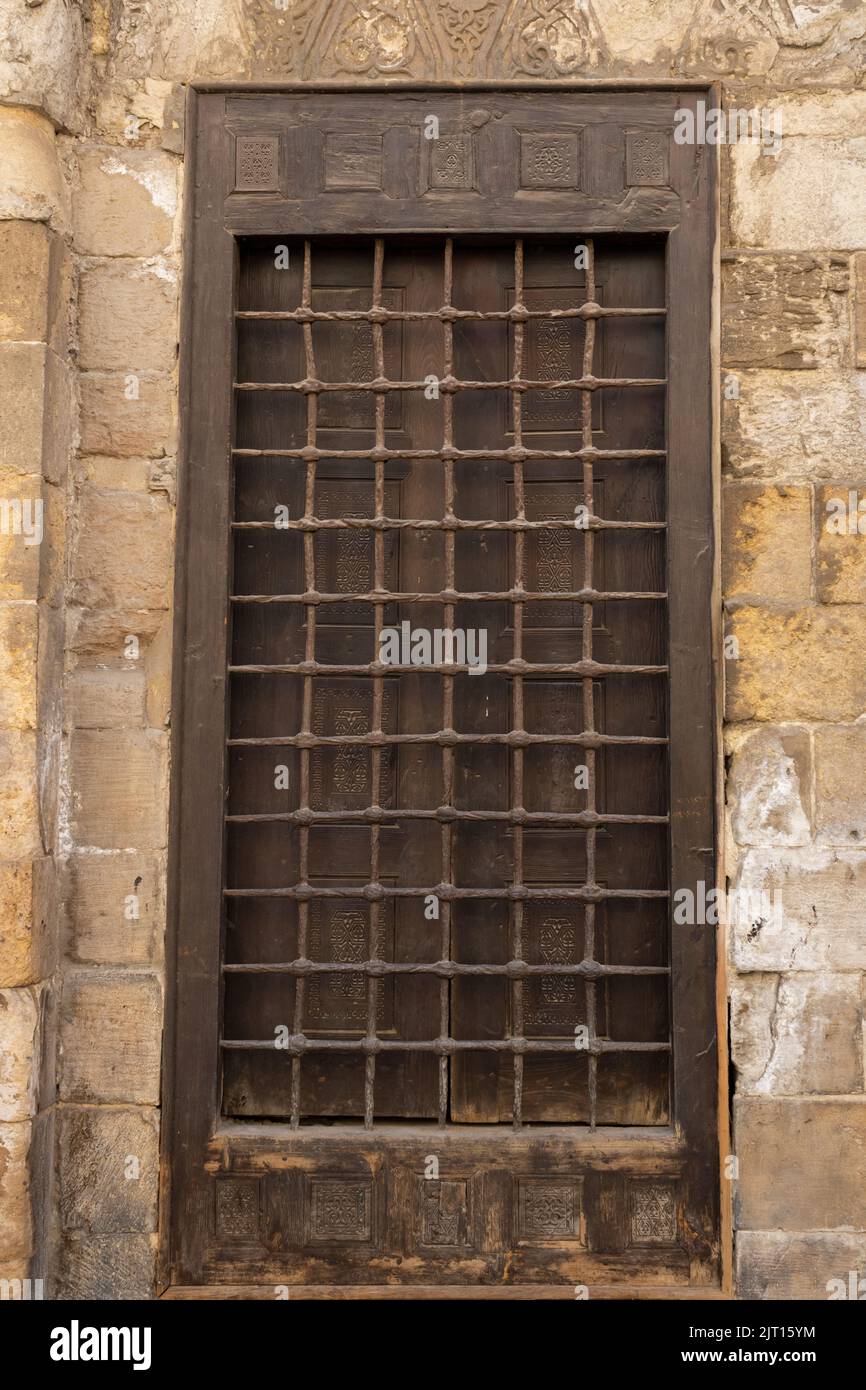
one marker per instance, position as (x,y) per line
(585,671)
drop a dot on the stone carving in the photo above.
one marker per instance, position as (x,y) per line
(548,1209)
(558,39)
(653,1214)
(340,1211)
(237,1209)
(465,29)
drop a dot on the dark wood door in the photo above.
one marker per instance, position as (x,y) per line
(449,1001)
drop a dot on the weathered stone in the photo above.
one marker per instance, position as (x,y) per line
(797,1034)
(840,785)
(16,887)
(16,1235)
(18,635)
(104,636)
(796,428)
(119,779)
(820,924)
(783,311)
(110,1037)
(841,543)
(801,1164)
(20,836)
(768,788)
(22,507)
(125,203)
(128,317)
(22,389)
(123,558)
(43,48)
(860,309)
(109,1166)
(25,258)
(106,1268)
(127,415)
(766,542)
(115,909)
(814,1265)
(114,474)
(31,188)
(106,698)
(19,1053)
(812,195)
(27,921)
(158,668)
(797,663)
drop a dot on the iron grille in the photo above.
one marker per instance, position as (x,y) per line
(585,671)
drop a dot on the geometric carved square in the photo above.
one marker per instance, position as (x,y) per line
(257,163)
(549,1209)
(340,1209)
(653,1213)
(237,1208)
(646,158)
(451,161)
(353,160)
(550,161)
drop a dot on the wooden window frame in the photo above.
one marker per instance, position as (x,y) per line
(215,216)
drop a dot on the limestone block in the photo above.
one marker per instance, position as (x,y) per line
(798,1034)
(801,1164)
(119,788)
(109,1169)
(783,311)
(127,415)
(840,785)
(110,1032)
(796,428)
(123,556)
(766,542)
(769,788)
(125,203)
(820,924)
(128,316)
(797,663)
(840,531)
(115,908)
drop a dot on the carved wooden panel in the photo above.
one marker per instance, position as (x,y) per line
(339,1210)
(653,1213)
(340,931)
(444,1212)
(550,159)
(341,777)
(257,163)
(646,158)
(344,352)
(237,1204)
(344,558)
(549,1209)
(449,161)
(353,159)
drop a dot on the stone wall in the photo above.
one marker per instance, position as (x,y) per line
(91,134)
